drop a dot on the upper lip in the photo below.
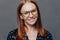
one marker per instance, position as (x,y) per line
(31,19)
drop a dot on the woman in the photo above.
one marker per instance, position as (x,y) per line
(29,23)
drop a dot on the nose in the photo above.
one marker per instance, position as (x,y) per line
(31,15)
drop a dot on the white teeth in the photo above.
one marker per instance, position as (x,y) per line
(32,20)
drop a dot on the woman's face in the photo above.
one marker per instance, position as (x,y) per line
(29,13)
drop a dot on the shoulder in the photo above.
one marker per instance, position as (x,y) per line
(11,35)
(49,35)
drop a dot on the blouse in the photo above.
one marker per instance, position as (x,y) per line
(39,37)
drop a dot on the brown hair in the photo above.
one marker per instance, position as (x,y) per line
(21,25)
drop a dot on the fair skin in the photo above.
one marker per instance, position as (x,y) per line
(29,15)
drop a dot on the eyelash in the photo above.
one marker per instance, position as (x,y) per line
(29,12)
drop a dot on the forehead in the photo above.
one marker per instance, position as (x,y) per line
(28,7)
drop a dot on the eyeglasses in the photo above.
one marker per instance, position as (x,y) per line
(33,12)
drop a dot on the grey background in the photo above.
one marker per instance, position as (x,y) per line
(50,15)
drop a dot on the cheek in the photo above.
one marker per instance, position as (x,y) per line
(25,17)
(36,14)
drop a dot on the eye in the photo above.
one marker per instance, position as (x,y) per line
(26,13)
(33,11)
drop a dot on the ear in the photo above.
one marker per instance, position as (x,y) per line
(21,16)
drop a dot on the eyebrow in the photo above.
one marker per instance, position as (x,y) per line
(31,10)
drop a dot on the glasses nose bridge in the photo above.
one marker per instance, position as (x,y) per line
(30,14)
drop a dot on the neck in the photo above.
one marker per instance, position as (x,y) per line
(29,27)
